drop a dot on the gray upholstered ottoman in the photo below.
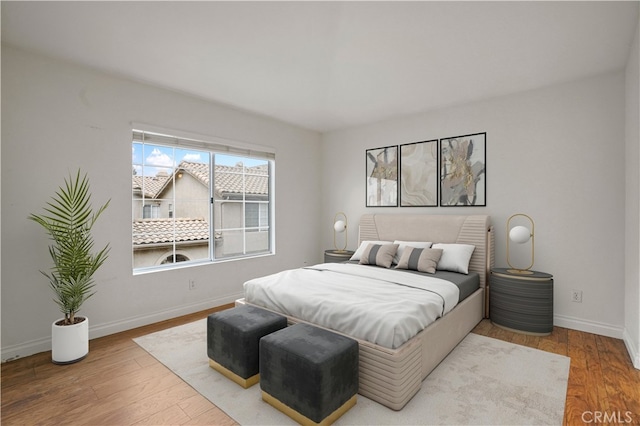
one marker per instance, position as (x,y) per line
(233,337)
(309,373)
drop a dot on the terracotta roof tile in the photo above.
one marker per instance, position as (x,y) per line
(152,184)
(228,179)
(198,170)
(153,231)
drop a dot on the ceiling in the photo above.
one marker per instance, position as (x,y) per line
(330,65)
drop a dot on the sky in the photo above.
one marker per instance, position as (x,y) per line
(155,158)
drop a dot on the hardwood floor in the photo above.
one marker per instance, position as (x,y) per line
(121,384)
(604,387)
(118,383)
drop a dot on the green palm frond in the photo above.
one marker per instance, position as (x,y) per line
(68,220)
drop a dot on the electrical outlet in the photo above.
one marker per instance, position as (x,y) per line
(576,296)
(192,284)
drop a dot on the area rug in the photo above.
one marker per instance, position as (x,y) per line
(483,381)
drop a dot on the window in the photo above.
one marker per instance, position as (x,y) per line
(208,201)
(256,216)
(150,211)
(174,258)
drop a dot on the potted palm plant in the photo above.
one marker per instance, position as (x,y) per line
(68,220)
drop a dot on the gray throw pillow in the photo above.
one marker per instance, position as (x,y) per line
(379,255)
(420,259)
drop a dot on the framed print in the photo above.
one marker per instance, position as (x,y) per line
(463,170)
(382,177)
(419,174)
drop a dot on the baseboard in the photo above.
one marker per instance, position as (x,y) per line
(633,348)
(100,330)
(25,349)
(603,330)
(588,326)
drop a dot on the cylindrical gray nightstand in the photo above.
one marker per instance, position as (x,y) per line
(335,256)
(522,303)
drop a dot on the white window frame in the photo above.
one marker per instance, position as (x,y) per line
(156,136)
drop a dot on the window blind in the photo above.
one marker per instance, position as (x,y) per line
(152,137)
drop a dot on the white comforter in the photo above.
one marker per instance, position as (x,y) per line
(382,306)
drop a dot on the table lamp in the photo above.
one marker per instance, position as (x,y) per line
(520,235)
(340,226)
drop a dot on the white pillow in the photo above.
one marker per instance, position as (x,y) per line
(363,247)
(455,257)
(403,244)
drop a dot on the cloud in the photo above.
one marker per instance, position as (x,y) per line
(192,157)
(159,158)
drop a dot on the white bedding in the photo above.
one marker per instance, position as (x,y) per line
(382,306)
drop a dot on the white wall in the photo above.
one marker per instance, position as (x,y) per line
(632,208)
(556,154)
(57,117)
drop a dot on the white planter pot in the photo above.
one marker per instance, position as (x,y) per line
(69,343)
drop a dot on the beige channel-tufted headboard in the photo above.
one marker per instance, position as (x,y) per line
(461,229)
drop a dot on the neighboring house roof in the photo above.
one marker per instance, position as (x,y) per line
(154,231)
(228,179)
(200,171)
(152,184)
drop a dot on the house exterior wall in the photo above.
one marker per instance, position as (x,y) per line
(154,256)
(232,242)
(191,198)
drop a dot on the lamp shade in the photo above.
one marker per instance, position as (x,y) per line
(519,234)
(339,227)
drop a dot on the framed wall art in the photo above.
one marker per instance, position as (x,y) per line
(463,170)
(382,177)
(419,174)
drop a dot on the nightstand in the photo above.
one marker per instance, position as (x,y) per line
(522,303)
(336,256)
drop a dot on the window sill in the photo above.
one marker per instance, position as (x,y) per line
(192,264)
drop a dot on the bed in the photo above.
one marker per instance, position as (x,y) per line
(393,366)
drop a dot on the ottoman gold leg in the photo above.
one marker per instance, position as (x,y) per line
(304,420)
(245,383)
